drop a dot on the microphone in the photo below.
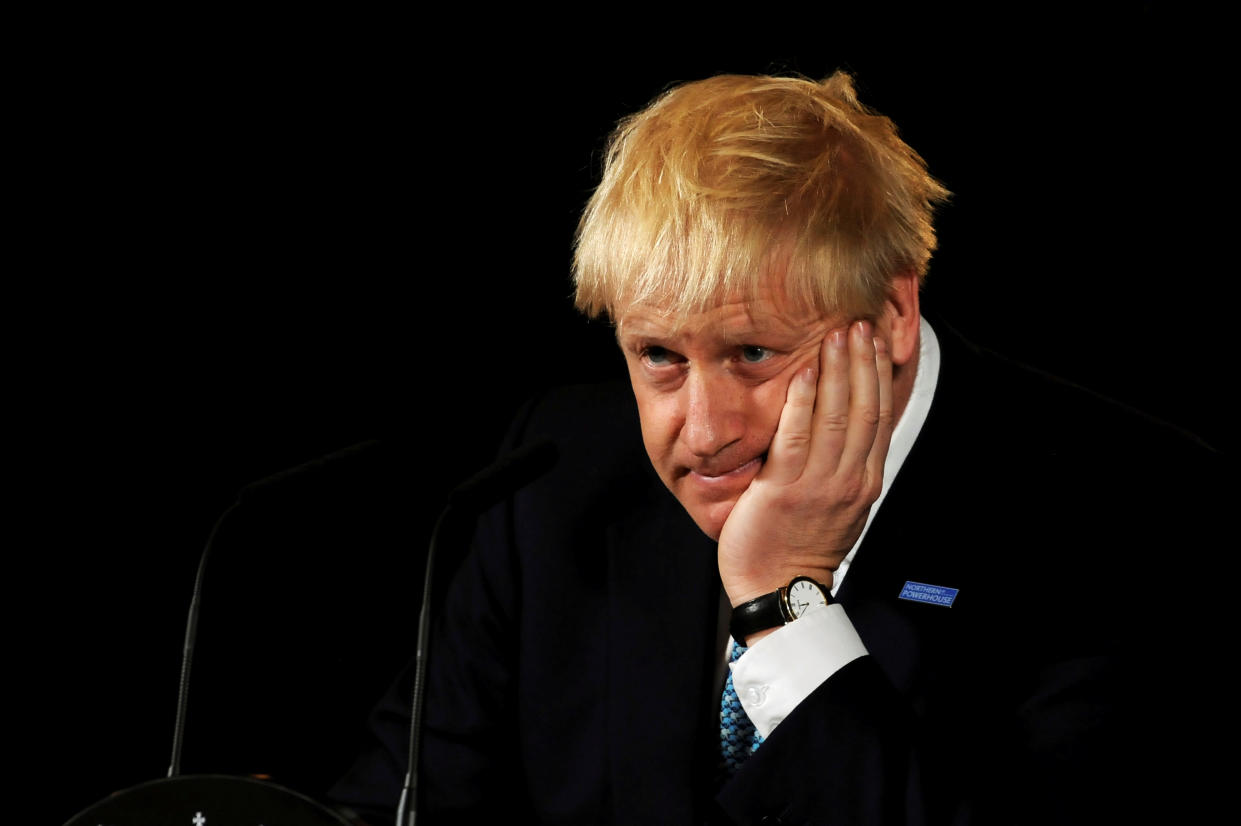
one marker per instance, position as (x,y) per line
(473,496)
(314,466)
(508,474)
(247,493)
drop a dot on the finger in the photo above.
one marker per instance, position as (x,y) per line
(789,448)
(831,408)
(863,402)
(883,433)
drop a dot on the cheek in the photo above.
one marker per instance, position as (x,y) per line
(767,406)
(659,426)
(769,398)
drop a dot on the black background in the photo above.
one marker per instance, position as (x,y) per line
(245,243)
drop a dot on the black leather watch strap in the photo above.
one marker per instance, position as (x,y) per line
(769,611)
(757,615)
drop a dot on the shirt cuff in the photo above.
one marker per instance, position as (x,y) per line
(786,666)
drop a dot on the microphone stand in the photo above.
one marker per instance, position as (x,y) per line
(475,495)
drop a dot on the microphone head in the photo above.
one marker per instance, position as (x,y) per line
(513,471)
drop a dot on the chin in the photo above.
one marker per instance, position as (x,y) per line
(710,517)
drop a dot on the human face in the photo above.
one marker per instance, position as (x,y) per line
(710,392)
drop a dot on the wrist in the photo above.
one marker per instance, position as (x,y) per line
(755,618)
(742,590)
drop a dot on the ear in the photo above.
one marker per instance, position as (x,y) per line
(902,317)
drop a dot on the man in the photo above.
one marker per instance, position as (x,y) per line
(941,572)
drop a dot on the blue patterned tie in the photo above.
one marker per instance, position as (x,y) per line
(738,739)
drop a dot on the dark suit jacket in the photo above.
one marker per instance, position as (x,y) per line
(575,672)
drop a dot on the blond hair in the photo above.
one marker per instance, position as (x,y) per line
(722,181)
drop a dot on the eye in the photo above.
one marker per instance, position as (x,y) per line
(659,356)
(752,354)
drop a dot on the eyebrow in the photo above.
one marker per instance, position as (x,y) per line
(749,331)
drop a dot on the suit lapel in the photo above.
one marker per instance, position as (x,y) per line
(663,608)
(917,534)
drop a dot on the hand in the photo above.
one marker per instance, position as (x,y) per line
(807,506)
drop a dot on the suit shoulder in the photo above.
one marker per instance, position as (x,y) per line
(1034,411)
(1078,419)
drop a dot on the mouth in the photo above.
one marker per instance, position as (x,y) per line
(709,475)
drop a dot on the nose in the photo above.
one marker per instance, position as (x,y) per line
(714,415)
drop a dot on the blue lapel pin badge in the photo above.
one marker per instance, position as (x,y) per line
(930,594)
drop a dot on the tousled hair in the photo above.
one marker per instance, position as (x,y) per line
(721,182)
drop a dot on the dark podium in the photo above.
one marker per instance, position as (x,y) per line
(207,800)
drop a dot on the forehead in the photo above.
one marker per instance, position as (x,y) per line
(735,317)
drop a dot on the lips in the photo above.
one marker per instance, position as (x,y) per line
(708,473)
(716,480)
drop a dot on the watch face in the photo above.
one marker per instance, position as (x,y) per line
(804,594)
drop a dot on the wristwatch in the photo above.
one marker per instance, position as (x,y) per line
(777,608)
